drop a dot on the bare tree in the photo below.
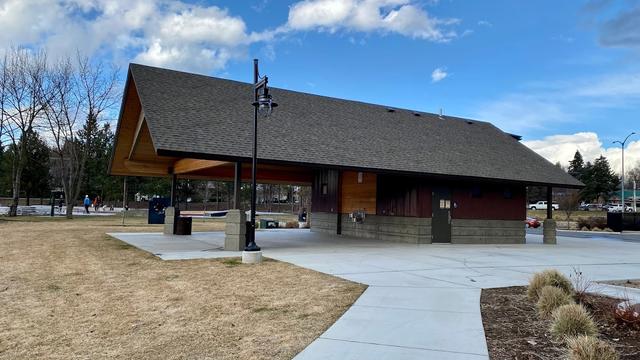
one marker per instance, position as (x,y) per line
(82,94)
(569,204)
(25,95)
(3,80)
(633,175)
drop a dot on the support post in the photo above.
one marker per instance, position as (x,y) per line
(549,202)
(124,199)
(170,212)
(174,184)
(549,226)
(237,183)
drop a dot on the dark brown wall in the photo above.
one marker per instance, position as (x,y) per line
(329,202)
(403,196)
(411,197)
(493,203)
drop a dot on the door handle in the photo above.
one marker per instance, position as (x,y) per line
(449,216)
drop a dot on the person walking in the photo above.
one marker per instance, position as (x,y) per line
(87,203)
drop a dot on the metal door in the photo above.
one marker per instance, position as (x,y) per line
(441,215)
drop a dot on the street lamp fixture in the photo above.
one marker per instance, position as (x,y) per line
(622,144)
(263,105)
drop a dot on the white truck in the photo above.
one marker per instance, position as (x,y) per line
(542,205)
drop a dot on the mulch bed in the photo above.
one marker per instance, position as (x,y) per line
(514,330)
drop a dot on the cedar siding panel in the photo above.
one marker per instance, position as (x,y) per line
(358,196)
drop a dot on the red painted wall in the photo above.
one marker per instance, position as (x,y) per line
(492,203)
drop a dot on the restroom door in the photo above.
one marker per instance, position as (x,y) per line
(441,216)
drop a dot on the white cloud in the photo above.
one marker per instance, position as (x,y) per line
(561,148)
(395,16)
(485,23)
(162,33)
(539,105)
(438,74)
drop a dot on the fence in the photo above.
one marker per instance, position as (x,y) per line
(623,221)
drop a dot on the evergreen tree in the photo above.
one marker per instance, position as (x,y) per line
(35,176)
(34,179)
(98,143)
(576,166)
(600,181)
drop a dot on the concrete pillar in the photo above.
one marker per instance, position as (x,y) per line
(235,230)
(549,232)
(169,219)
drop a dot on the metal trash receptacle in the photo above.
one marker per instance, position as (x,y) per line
(183,225)
(268,224)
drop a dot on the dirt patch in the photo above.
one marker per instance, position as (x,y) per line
(635,283)
(67,291)
(514,330)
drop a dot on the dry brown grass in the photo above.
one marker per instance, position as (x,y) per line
(69,291)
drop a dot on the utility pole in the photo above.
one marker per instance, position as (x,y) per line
(622,143)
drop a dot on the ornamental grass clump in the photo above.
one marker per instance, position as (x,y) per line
(572,320)
(548,277)
(589,348)
(550,299)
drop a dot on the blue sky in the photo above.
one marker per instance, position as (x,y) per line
(564,74)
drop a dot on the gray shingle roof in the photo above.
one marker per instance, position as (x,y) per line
(211,117)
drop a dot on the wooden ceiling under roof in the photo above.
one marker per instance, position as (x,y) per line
(135,155)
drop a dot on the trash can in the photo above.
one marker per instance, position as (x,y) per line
(183,225)
(268,224)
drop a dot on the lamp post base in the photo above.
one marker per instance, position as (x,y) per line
(251,257)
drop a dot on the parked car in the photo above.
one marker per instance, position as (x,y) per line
(532,222)
(618,208)
(590,207)
(542,205)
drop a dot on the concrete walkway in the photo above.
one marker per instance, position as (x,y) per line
(423,301)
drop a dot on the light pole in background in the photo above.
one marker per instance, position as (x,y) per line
(622,144)
(263,105)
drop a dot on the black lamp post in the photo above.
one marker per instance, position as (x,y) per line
(263,105)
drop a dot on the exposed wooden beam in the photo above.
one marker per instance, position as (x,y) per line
(184,166)
(136,136)
(144,168)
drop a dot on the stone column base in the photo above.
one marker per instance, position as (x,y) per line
(235,230)
(549,232)
(169,218)
(251,257)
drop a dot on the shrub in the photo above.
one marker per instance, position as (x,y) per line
(572,320)
(291,225)
(627,314)
(581,285)
(592,222)
(550,299)
(548,277)
(589,348)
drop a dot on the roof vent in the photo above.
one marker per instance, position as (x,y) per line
(416,114)
(440,116)
(470,122)
(391,110)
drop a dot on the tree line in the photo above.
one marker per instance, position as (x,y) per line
(601,182)
(54,134)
